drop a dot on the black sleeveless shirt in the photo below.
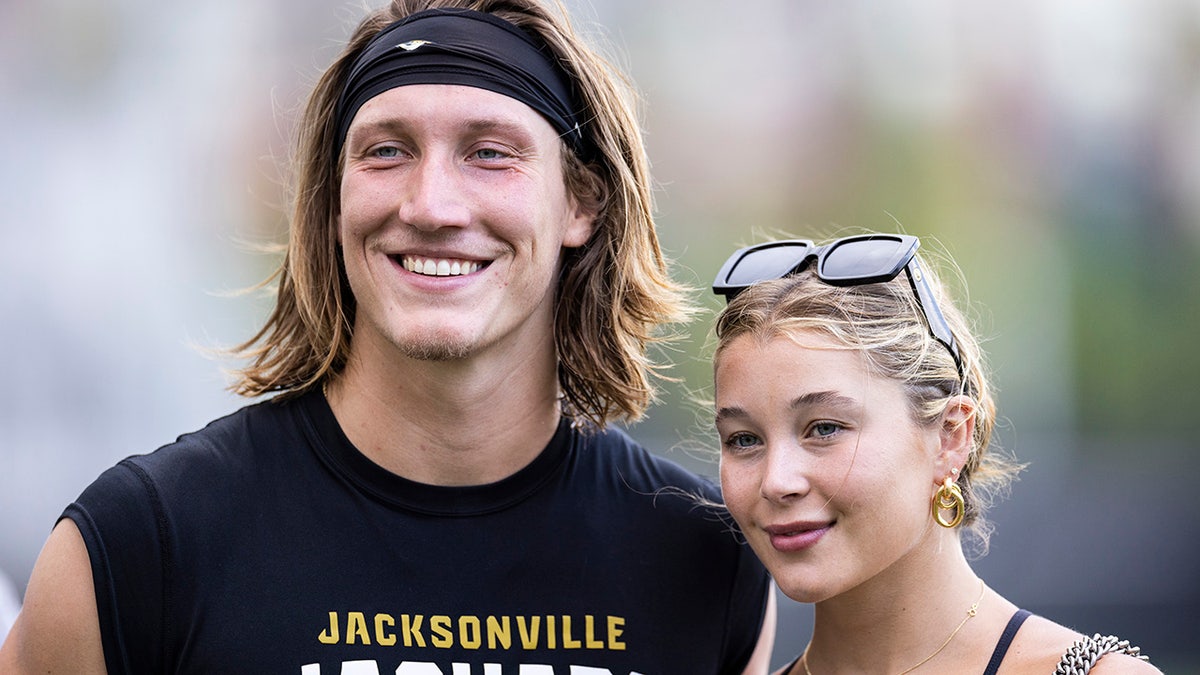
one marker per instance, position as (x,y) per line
(266,543)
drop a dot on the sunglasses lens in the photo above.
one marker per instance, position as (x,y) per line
(761,264)
(865,259)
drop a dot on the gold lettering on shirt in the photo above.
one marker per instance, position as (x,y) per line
(616,627)
(330,635)
(529,638)
(443,636)
(568,641)
(412,630)
(499,634)
(356,628)
(385,636)
(469,632)
(444,631)
(589,633)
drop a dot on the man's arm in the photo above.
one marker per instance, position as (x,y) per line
(760,660)
(58,628)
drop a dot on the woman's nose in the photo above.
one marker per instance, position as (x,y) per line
(783,478)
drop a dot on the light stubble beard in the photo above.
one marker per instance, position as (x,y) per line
(438,351)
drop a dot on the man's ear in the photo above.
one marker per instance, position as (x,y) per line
(587,196)
(579,228)
(956,434)
(581,220)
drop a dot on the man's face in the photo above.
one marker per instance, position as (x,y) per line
(454,214)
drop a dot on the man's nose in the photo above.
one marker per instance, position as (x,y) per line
(435,195)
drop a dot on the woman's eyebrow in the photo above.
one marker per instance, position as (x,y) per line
(731,412)
(815,398)
(830,398)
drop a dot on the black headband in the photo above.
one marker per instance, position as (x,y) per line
(465,47)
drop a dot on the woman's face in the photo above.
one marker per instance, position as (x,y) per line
(822,464)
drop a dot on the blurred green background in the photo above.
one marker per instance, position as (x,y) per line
(1051,147)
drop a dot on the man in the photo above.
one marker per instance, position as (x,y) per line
(471,282)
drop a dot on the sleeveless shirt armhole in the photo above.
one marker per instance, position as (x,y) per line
(95,513)
(1006,638)
(112,639)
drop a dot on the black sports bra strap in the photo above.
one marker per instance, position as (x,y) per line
(1010,631)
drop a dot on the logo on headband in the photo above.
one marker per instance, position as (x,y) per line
(412,44)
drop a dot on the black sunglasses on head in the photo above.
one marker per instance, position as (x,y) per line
(849,261)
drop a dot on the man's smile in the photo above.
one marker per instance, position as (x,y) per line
(440,267)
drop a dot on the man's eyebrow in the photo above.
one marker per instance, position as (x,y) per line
(473,124)
(495,124)
(373,125)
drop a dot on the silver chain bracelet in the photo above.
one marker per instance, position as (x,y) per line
(1086,651)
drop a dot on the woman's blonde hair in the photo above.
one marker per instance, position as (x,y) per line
(614,293)
(885,323)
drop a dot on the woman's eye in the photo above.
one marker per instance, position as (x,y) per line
(825,429)
(741,441)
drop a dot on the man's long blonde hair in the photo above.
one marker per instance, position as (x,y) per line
(614,294)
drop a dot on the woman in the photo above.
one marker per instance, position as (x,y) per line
(854,415)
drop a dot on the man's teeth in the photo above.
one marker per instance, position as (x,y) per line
(440,267)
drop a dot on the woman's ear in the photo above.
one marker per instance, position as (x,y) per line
(957,435)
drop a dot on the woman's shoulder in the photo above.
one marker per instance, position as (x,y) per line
(1042,645)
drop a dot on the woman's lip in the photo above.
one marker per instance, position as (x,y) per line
(791,538)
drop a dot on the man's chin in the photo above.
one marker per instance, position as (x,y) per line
(436,349)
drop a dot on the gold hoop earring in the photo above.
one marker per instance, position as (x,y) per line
(948,497)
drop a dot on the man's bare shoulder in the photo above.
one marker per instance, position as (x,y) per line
(57,630)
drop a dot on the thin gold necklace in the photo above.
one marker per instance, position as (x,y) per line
(970,613)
